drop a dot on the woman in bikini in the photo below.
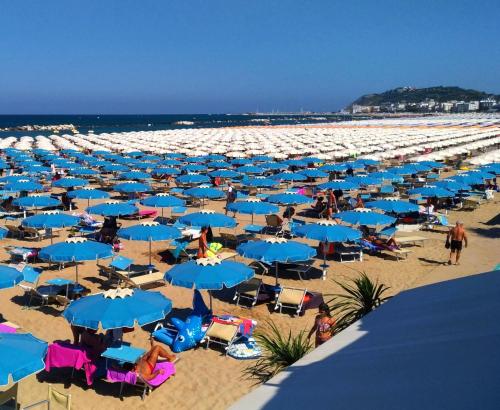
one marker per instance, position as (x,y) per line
(146,365)
(323,325)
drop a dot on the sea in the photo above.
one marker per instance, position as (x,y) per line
(126,123)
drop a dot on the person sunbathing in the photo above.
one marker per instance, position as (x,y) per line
(145,367)
(389,244)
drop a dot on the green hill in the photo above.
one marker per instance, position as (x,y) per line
(415,95)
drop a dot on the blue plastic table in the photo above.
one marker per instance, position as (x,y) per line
(124,353)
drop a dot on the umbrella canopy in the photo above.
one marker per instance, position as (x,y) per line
(193,179)
(118,308)
(88,194)
(343,185)
(208,218)
(253,207)
(70,182)
(36,201)
(76,250)
(251,169)
(289,198)
(9,277)
(276,250)
(289,176)
(130,187)
(328,231)
(166,171)
(139,175)
(451,185)
(394,206)
(149,231)
(224,173)
(50,219)
(314,173)
(209,274)
(162,201)
(113,209)
(23,185)
(431,191)
(204,193)
(365,217)
(21,355)
(260,182)
(364,180)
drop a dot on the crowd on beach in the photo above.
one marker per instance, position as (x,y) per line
(374,199)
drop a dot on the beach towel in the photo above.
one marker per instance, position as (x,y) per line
(123,376)
(67,355)
(6,329)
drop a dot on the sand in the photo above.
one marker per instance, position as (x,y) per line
(205,378)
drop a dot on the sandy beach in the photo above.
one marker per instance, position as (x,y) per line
(205,378)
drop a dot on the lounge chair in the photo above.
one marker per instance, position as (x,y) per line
(224,255)
(35,234)
(54,397)
(248,290)
(138,281)
(413,240)
(181,251)
(9,395)
(291,298)
(301,269)
(223,334)
(273,224)
(14,231)
(354,252)
(371,248)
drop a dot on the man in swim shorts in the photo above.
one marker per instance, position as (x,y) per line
(456,236)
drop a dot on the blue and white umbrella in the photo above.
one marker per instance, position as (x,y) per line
(313,173)
(118,308)
(365,217)
(135,175)
(10,277)
(149,232)
(193,179)
(70,182)
(208,218)
(162,200)
(113,208)
(23,186)
(393,206)
(339,184)
(204,193)
(289,198)
(276,250)
(131,187)
(224,173)
(253,206)
(166,171)
(21,355)
(76,250)
(251,169)
(431,192)
(289,176)
(36,201)
(259,182)
(88,194)
(50,220)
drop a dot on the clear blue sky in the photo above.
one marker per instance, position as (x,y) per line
(200,56)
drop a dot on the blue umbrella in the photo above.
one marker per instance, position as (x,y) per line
(333,167)
(260,182)
(209,274)
(149,232)
(9,277)
(262,158)
(194,168)
(70,182)
(88,194)
(276,250)
(115,168)
(50,220)
(393,206)
(166,171)
(218,164)
(313,173)
(289,176)
(250,169)
(162,200)
(139,175)
(76,250)
(23,185)
(253,207)
(327,232)
(21,355)
(204,193)
(83,171)
(241,161)
(289,198)
(118,308)
(113,209)
(224,173)
(36,201)
(364,180)
(431,192)
(193,179)
(296,163)
(343,185)
(386,176)
(451,185)
(368,218)
(208,218)
(131,187)
(273,165)
(170,163)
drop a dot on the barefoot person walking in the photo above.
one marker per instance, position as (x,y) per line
(456,236)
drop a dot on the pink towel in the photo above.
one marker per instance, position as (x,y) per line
(6,329)
(67,355)
(114,375)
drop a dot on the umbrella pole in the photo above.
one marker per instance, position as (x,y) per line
(210,294)
(76,265)
(150,253)
(324,261)
(252,218)
(276,273)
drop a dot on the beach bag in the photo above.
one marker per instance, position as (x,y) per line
(447,243)
(213,248)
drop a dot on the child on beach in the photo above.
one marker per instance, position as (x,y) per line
(323,325)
